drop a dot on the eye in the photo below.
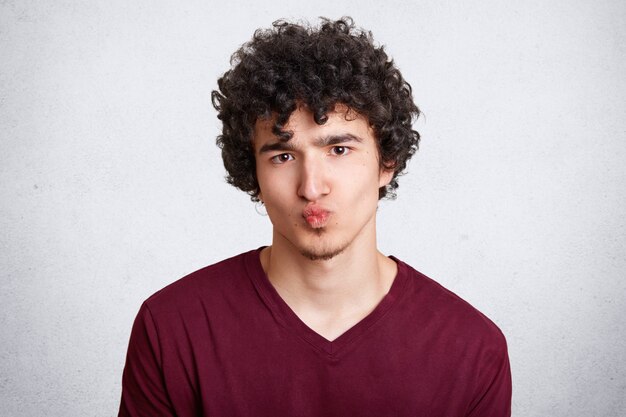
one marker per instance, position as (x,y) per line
(281,158)
(340,150)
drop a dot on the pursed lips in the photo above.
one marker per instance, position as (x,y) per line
(316,216)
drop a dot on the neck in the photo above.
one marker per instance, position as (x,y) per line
(343,289)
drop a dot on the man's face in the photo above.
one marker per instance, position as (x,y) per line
(320,188)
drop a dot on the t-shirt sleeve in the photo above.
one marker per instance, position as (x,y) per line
(494,395)
(143,388)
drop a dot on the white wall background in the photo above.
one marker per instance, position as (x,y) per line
(111,185)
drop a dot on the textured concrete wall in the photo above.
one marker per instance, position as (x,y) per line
(111,186)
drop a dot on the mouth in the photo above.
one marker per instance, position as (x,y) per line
(317,217)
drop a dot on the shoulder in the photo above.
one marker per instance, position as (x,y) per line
(206,284)
(455,317)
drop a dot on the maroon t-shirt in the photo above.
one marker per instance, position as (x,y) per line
(221,342)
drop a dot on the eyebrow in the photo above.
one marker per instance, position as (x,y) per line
(321,142)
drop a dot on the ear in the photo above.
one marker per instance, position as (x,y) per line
(385,177)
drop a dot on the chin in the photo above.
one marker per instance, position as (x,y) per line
(320,256)
(322,251)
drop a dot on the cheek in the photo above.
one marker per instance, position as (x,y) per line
(357,186)
(278,201)
(364,173)
(268,184)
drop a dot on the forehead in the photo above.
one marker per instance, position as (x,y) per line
(302,125)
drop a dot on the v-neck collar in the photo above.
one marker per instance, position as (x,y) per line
(288,318)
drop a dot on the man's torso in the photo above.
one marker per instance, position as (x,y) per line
(223,343)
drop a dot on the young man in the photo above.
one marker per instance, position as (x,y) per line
(317,127)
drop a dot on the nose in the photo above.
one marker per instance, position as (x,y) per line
(313,180)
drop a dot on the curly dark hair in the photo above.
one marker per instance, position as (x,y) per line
(319,67)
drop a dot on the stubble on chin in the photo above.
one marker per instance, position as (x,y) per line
(323,253)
